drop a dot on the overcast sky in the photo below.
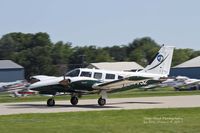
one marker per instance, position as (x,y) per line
(105,22)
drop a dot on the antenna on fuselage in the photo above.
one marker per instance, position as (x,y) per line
(64,76)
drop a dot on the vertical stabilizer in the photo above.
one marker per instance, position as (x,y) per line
(161,64)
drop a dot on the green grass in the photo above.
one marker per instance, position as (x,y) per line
(123,94)
(180,120)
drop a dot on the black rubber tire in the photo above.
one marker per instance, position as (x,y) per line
(101,101)
(50,102)
(74,100)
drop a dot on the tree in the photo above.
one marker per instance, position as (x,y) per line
(61,52)
(102,56)
(118,53)
(195,54)
(29,50)
(142,50)
(82,56)
(181,55)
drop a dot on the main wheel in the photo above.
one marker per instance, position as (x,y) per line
(101,101)
(74,100)
(50,102)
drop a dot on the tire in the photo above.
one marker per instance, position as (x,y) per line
(50,102)
(74,100)
(102,101)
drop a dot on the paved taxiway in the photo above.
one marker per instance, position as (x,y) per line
(112,104)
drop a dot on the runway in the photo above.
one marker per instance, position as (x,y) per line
(112,104)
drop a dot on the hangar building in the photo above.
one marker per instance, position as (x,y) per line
(190,68)
(10,71)
(116,66)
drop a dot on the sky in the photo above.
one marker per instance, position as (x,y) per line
(105,22)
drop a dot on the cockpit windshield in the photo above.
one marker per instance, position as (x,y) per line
(73,73)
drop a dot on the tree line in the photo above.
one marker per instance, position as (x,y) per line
(39,55)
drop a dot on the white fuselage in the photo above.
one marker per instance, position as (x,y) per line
(93,74)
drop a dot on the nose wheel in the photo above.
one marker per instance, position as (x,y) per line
(50,102)
(101,101)
(74,100)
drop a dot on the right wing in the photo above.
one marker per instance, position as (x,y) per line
(134,81)
(37,78)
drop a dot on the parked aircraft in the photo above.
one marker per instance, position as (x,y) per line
(85,81)
(182,83)
(17,88)
(10,86)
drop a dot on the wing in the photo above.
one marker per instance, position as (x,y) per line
(37,78)
(50,86)
(134,82)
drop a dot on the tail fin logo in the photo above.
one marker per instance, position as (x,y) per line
(161,62)
(160,58)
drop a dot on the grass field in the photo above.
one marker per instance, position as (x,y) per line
(123,94)
(180,120)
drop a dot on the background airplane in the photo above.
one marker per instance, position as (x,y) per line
(10,86)
(17,88)
(85,81)
(182,83)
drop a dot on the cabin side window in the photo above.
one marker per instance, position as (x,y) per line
(73,73)
(120,77)
(86,74)
(110,76)
(97,75)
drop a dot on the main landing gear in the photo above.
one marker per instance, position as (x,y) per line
(74,100)
(50,102)
(101,101)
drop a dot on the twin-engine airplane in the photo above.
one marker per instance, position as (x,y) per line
(85,81)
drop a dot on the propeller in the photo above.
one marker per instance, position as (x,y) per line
(65,82)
